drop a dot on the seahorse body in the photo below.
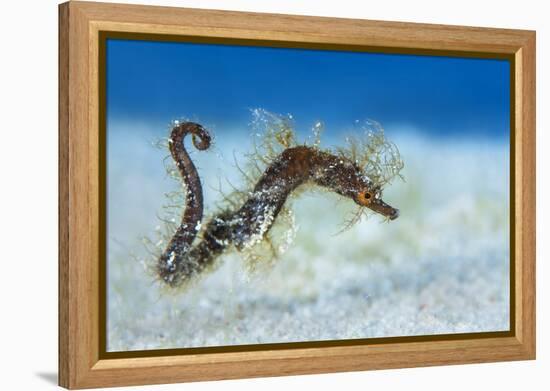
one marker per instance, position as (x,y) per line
(250,223)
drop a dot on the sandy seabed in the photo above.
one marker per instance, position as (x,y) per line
(441,267)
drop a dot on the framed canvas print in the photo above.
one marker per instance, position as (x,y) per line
(251,195)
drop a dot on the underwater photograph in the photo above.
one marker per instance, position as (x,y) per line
(265,195)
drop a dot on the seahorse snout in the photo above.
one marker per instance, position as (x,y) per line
(384,209)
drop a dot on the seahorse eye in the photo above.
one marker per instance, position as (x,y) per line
(365,197)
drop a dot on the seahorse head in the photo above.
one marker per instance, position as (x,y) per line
(374,162)
(350,180)
(370,196)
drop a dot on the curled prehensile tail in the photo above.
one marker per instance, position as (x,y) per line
(249,224)
(185,234)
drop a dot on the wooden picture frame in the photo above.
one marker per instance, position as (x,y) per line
(83,362)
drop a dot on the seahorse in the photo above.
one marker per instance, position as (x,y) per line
(242,227)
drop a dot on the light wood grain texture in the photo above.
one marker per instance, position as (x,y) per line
(79,167)
(64,352)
